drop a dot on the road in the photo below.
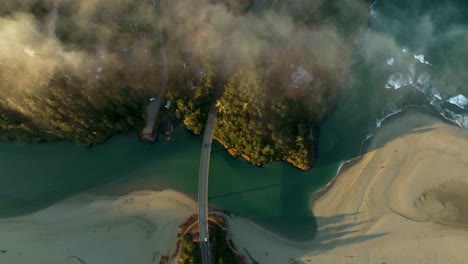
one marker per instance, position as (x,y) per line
(203,175)
(205,152)
(205,155)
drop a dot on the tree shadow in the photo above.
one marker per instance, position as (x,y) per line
(337,231)
(337,241)
(333,232)
(292,207)
(243,191)
(295,220)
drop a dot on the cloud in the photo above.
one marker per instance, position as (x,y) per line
(28,58)
(212,28)
(42,38)
(437,31)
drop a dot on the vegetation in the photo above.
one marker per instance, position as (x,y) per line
(193,98)
(262,125)
(85,104)
(262,115)
(220,250)
(64,112)
(189,250)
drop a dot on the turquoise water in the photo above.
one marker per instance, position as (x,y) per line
(37,175)
(277,196)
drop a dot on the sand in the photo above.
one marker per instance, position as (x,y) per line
(97,230)
(404,201)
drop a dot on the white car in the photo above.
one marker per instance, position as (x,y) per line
(206,239)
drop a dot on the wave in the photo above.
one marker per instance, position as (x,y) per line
(460,101)
(420,79)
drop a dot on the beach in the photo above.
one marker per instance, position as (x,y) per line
(136,228)
(398,203)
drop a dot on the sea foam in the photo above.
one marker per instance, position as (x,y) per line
(421,59)
(459,100)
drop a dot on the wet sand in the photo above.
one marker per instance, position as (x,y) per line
(136,228)
(403,201)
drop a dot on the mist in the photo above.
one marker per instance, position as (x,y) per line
(89,39)
(408,32)
(47,36)
(28,58)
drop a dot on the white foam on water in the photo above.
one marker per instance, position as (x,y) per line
(425,86)
(423,83)
(424,78)
(434,97)
(398,80)
(369,136)
(412,71)
(421,59)
(395,81)
(395,111)
(459,100)
(462,120)
(459,119)
(390,61)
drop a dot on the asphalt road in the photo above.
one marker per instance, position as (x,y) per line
(203,177)
(205,152)
(205,160)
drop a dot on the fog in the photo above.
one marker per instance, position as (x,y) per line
(213,29)
(92,40)
(29,58)
(438,30)
(40,38)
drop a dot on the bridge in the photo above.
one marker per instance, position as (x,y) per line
(203,176)
(206,154)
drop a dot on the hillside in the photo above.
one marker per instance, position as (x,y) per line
(82,72)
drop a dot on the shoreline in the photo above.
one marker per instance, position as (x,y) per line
(354,216)
(249,235)
(345,165)
(323,190)
(139,225)
(368,140)
(364,215)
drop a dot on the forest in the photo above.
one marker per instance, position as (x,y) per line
(89,75)
(220,250)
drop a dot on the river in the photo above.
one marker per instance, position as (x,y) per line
(413,54)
